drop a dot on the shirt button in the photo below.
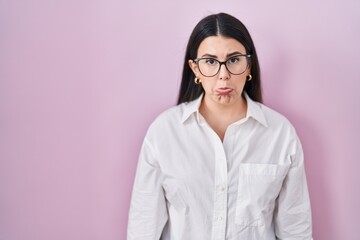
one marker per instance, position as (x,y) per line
(220,188)
(219,218)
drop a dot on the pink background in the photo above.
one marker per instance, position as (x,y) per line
(80,81)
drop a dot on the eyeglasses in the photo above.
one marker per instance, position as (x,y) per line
(236,65)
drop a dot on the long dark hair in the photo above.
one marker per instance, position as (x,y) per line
(214,25)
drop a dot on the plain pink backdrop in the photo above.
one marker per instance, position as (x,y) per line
(80,81)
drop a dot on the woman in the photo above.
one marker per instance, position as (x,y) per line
(220,165)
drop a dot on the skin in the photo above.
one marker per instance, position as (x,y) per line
(222,103)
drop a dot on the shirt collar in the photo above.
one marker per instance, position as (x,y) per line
(253,110)
(192,108)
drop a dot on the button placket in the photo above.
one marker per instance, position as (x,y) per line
(220,188)
(220,195)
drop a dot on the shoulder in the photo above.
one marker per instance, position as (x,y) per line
(279,128)
(273,116)
(171,114)
(170,117)
(276,120)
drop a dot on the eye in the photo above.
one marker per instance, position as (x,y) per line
(233,60)
(210,61)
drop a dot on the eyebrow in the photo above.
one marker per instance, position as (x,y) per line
(228,55)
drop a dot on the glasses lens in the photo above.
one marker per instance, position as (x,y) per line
(208,67)
(237,64)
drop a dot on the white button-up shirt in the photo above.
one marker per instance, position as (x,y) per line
(190,185)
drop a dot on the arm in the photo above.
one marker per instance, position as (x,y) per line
(293,213)
(148,212)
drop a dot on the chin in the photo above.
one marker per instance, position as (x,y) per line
(225,99)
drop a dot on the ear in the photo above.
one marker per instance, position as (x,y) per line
(248,70)
(194,67)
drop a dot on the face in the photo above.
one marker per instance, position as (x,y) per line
(224,88)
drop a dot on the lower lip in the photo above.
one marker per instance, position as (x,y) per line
(224,91)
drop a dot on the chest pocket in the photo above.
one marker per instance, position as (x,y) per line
(258,187)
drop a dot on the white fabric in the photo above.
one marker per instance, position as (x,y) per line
(190,185)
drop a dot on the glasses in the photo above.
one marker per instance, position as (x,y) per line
(236,65)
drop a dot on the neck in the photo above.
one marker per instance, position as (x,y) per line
(220,116)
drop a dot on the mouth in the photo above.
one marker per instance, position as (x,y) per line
(223,91)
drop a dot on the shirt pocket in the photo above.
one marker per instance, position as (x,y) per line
(258,187)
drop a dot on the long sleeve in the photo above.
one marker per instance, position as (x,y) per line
(293,212)
(148,212)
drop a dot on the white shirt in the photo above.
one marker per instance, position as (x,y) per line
(190,185)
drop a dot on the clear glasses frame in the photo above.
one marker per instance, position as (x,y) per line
(197,60)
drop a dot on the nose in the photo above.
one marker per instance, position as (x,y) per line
(224,73)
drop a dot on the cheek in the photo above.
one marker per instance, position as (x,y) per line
(208,84)
(241,81)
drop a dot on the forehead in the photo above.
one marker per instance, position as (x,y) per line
(220,46)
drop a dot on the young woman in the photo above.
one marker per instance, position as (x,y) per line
(220,164)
